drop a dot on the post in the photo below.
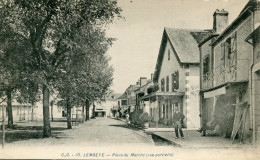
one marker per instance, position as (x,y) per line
(3,126)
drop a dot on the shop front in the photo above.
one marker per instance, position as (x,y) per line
(160,106)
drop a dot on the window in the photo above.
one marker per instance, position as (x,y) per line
(205,65)
(175,81)
(228,51)
(163,111)
(167,84)
(169,54)
(64,114)
(167,110)
(222,56)
(162,85)
(124,102)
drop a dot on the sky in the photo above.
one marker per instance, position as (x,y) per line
(134,53)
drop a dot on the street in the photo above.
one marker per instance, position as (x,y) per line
(105,138)
(104,132)
(100,135)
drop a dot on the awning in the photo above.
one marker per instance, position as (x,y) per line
(250,38)
(215,92)
(162,94)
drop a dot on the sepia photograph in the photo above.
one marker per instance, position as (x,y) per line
(130,79)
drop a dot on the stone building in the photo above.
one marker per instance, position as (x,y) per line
(226,61)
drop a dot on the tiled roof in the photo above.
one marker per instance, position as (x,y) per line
(123,96)
(185,42)
(113,96)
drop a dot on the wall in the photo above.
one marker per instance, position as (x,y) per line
(257,107)
(188,83)
(169,67)
(205,50)
(192,97)
(244,49)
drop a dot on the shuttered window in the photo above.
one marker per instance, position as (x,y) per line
(162,85)
(167,84)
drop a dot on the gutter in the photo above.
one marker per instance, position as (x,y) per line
(252,105)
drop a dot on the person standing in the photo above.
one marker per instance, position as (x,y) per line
(127,119)
(177,118)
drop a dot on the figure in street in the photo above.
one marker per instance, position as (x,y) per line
(177,118)
(127,119)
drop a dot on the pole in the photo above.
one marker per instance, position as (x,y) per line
(3,126)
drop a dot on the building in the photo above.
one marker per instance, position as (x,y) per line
(255,42)
(131,96)
(122,103)
(226,80)
(177,77)
(29,113)
(106,107)
(141,91)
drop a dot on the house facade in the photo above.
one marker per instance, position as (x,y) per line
(177,77)
(122,103)
(106,107)
(29,113)
(226,81)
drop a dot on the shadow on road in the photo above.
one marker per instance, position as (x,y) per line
(124,126)
(20,133)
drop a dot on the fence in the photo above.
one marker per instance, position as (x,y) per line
(77,119)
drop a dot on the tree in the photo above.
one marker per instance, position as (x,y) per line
(80,81)
(11,44)
(49,27)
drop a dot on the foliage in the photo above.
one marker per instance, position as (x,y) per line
(134,116)
(153,88)
(145,117)
(57,45)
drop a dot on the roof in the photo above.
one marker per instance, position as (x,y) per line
(113,96)
(123,96)
(185,44)
(144,87)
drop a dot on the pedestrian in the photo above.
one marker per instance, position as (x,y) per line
(127,119)
(177,118)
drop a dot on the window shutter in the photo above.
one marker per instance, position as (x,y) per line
(175,81)
(167,84)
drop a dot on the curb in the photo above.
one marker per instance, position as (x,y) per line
(167,140)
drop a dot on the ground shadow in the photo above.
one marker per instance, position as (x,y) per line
(20,133)
(125,126)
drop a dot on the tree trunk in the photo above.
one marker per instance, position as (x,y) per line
(52,112)
(93,114)
(46,112)
(82,113)
(87,109)
(9,108)
(69,126)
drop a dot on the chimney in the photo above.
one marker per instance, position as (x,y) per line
(220,20)
(143,81)
(151,77)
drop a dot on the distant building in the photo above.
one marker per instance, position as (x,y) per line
(122,104)
(106,106)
